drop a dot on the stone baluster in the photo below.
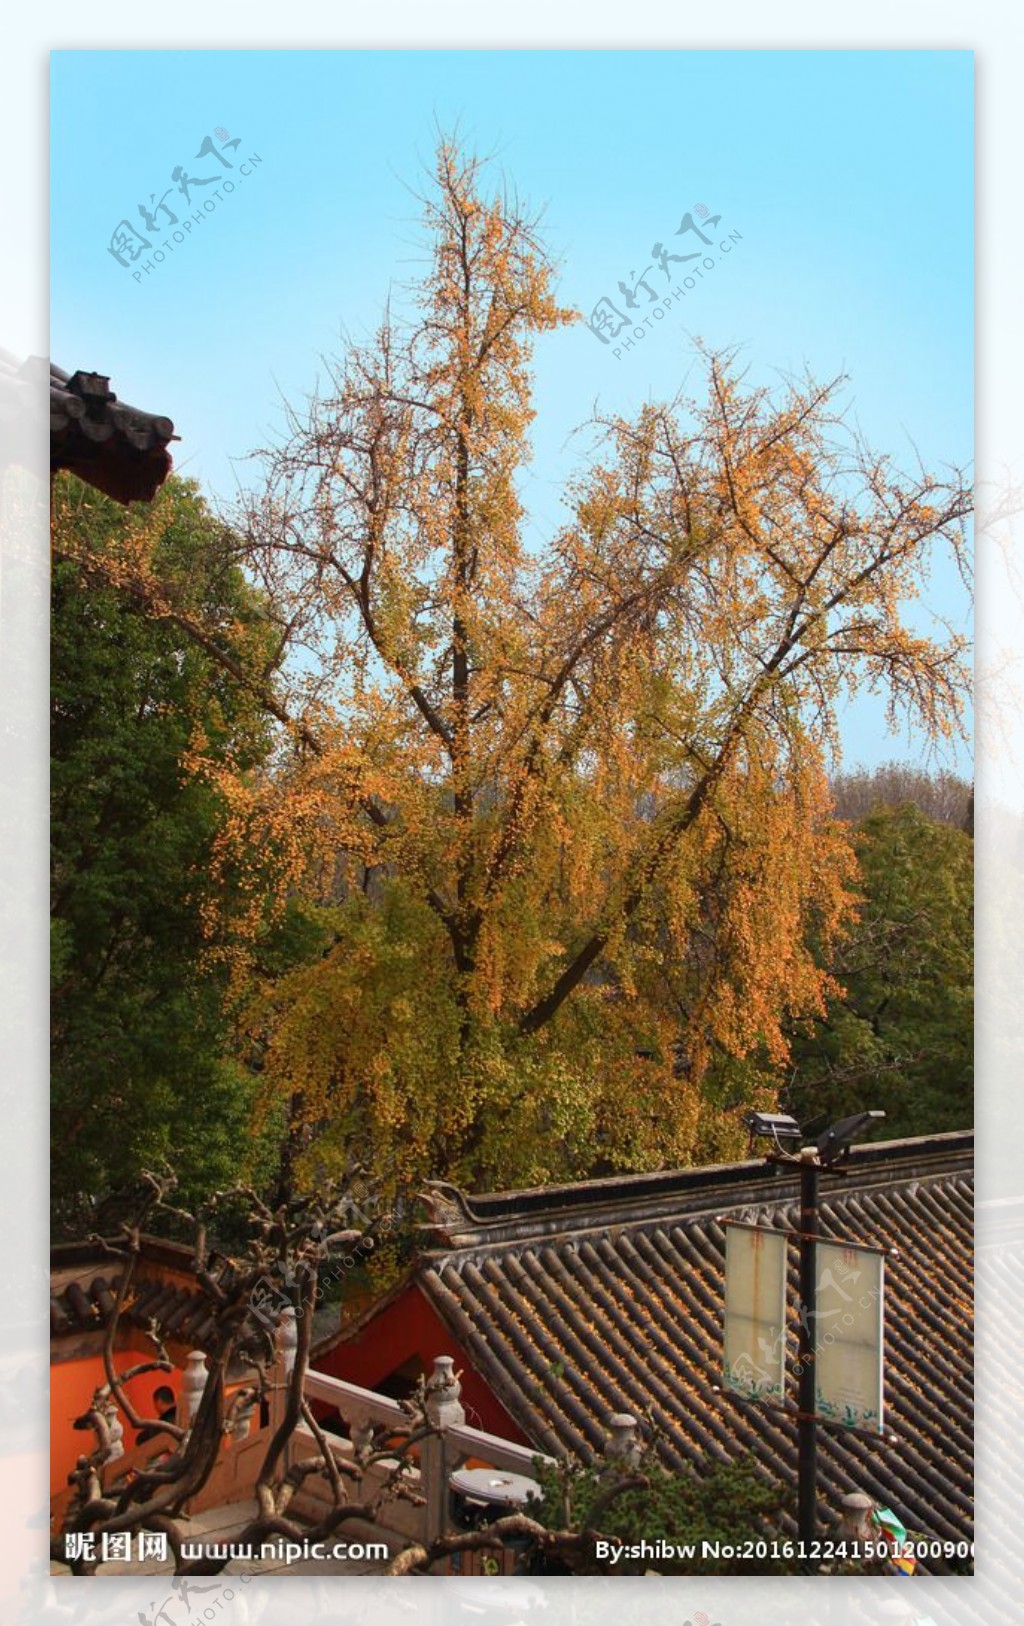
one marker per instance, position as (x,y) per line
(360,1432)
(288,1339)
(444,1410)
(624,1447)
(115,1432)
(192,1385)
(286,1343)
(243,1420)
(855,1523)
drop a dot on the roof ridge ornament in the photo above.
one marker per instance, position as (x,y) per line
(447,1207)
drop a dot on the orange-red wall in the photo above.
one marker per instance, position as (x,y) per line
(411,1326)
(72,1385)
(407,1327)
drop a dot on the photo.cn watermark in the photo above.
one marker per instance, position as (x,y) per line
(608,323)
(128,243)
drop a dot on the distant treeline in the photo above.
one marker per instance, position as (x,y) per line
(943,795)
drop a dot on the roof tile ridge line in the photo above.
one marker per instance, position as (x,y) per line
(102,1255)
(497,1242)
(606,1189)
(524,1230)
(493,1243)
(941,1142)
(874,1182)
(541,1201)
(499,1232)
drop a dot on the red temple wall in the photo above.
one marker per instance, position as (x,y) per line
(410,1326)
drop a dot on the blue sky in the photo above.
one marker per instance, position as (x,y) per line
(847,175)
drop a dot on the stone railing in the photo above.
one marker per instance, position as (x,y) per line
(438,1455)
(365,1417)
(357,1407)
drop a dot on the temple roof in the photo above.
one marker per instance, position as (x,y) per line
(574,1302)
(117,448)
(84,1281)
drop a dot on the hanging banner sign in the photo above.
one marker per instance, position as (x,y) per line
(754,1362)
(848,1320)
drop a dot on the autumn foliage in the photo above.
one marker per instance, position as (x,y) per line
(555,820)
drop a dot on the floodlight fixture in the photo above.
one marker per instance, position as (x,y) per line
(778,1127)
(773,1125)
(834,1145)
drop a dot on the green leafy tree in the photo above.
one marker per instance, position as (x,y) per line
(899,1037)
(141,1063)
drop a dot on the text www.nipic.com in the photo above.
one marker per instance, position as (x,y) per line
(288,1552)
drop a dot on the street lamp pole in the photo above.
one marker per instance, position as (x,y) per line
(807,1422)
(830,1153)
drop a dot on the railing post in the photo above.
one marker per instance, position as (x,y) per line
(855,1518)
(192,1384)
(624,1447)
(286,1343)
(243,1421)
(360,1432)
(444,1411)
(115,1432)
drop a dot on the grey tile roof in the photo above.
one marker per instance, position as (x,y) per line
(86,1302)
(181,1313)
(579,1301)
(117,448)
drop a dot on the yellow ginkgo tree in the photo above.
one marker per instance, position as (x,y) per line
(560,811)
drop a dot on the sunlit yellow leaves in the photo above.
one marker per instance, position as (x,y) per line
(566,808)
